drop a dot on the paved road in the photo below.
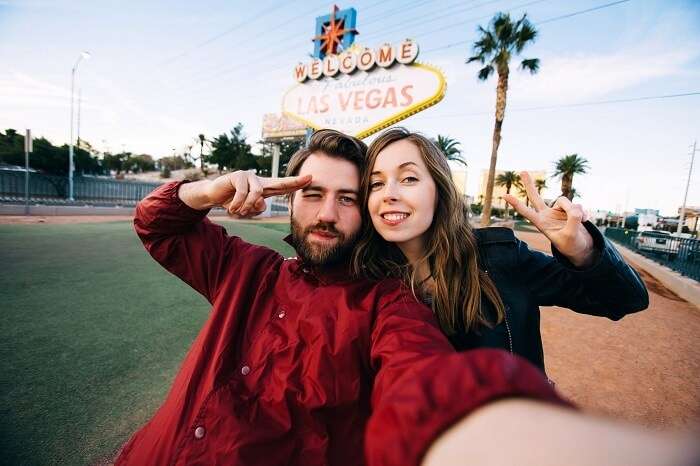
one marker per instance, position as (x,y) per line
(644,368)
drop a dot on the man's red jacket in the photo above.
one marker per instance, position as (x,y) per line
(304,366)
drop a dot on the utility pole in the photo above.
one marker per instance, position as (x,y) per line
(78,126)
(681,219)
(28,147)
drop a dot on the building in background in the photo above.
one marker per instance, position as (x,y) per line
(459,176)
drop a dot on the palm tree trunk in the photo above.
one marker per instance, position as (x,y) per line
(566,181)
(501,91)
(505,203)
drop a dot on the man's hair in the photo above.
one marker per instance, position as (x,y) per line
(332,143)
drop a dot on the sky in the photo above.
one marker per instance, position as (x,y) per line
(162,72)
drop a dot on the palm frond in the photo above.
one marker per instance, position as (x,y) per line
(525,34)
(485,72)
(531,64)
(570,165)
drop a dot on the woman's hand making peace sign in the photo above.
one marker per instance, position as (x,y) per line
(562,223)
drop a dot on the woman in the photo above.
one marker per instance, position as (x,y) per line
(485,286)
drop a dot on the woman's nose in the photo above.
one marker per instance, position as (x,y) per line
(391,192)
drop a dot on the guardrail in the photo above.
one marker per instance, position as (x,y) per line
(51,189)
(679,254)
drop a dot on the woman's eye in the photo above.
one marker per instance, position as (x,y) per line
(410,179)
(376,185)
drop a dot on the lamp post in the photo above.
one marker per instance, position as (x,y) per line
(86,56)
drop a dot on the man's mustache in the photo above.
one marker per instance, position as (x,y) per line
(324,227)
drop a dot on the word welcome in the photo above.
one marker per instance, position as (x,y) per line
(349,61)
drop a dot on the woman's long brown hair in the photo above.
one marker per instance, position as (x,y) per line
(451,249)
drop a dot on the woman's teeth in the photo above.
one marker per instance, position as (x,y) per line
(395,217)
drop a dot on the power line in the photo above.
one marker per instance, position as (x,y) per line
(218,36)
(538,23)
(261,60)
(570,105)
(430,32)
(600,7)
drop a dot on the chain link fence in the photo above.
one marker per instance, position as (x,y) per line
(678,253)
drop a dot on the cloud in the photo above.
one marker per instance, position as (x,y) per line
(585,76)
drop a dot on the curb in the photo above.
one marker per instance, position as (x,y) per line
(685,287)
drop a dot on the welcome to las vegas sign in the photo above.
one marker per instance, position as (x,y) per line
(360,90)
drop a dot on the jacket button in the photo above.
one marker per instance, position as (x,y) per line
(245,370)
(281,314)
(199,432)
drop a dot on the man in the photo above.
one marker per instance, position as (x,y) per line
(297,357)
(300,364)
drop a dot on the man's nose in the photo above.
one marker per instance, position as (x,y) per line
(328,211)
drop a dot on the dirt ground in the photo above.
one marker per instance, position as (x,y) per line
(644,368)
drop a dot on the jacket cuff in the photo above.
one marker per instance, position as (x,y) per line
(607,257)
(163,210)
(447,388)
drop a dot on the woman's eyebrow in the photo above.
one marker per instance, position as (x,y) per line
(403,165)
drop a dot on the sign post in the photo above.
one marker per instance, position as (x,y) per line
(27,150)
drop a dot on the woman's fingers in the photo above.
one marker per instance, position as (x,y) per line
(574,213)
(521,208)
(531,191)
(286,185)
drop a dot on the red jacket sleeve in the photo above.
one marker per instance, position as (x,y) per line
(184,241)
(422,387)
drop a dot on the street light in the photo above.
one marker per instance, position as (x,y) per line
(86,56)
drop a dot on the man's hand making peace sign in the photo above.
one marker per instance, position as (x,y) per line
(562,223)
(241,193)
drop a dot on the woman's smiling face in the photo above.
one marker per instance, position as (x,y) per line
(402,196)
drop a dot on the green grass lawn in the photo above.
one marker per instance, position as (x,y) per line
(93,332)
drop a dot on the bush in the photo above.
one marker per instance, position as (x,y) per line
(165,173)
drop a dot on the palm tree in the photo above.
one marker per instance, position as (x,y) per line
(540,184)
(496,46)
(567,167)
(448,146)
(574,193)
(508,179)
(522,192)
(201,151)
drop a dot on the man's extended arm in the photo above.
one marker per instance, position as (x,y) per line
(171,222)
(528,433)
(422,386)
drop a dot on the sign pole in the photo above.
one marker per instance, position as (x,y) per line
(27,150)
(275,159)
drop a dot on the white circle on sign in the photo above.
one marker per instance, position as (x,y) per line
(315,69)
(407,52)
(347,62)
(386,56)
(301,72)
(366,59)
(330,65)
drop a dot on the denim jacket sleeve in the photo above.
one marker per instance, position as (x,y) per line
(608,288)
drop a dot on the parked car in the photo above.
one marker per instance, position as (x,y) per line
(658,242)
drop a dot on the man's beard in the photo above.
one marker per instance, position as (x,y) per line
(317,254)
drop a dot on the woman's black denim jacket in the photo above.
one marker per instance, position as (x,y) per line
(529,279)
